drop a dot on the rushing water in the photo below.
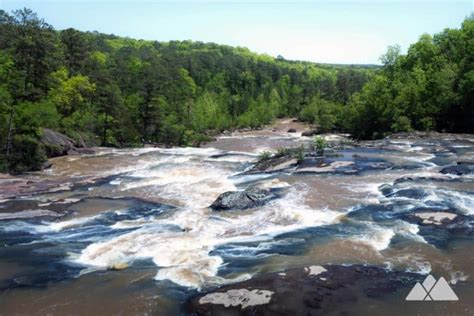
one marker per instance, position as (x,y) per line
(137,236)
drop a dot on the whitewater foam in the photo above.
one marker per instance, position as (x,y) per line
(184,256)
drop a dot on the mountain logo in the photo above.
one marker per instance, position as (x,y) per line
(432,290)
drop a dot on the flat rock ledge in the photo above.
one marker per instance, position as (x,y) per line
(310,290)
(275,163)
(325,168)
(435,218)
(29,214)
(241,297)
(435,224)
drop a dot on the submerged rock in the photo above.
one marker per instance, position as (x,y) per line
(410,193)
(303,291)
(240,200)
(459,169)
(413,179)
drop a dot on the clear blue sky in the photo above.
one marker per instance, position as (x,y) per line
(320,31)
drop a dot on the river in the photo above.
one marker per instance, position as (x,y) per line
(130,231)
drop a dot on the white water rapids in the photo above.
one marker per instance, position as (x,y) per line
(190,178)
(182,241)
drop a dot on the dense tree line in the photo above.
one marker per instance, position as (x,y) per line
(113,91)
(429,88)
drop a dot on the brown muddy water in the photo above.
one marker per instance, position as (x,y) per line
(134,233)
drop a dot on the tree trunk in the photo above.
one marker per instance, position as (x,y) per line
(9,133)
(188,120)
(104,133)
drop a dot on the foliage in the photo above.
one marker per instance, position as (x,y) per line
(429,88)
(265,155)
(27,154)
(115,91)
(322,113)
(320,144)
(300,153)
(282,152)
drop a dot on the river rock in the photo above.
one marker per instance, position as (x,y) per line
(435,218)
(29,214)
(57,144)
(275,163)
(291,130)
(282,166)
(410,193)
(118,266)
(468,162)
(81,151)
(240,200)
(310,132)
(413,179)
(332,167)
(459,169)
(446,220)
(313,290)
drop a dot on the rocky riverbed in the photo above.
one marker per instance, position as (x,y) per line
(211,231)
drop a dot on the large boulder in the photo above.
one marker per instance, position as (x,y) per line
(241,200)
(57,144)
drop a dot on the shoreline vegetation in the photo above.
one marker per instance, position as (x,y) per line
(105,90)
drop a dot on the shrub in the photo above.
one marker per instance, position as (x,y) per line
(26,155)
(300,153)
(265,155)
(320,144)
(281,152)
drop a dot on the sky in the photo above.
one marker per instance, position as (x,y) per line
(349,32)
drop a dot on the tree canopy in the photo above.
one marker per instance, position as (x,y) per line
(114,91)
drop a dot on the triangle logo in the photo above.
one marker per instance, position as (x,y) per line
(443,292)
(418,293)
(432,290)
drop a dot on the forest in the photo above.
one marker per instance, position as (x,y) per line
(106,90)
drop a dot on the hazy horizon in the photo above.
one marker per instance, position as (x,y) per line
(353,32)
